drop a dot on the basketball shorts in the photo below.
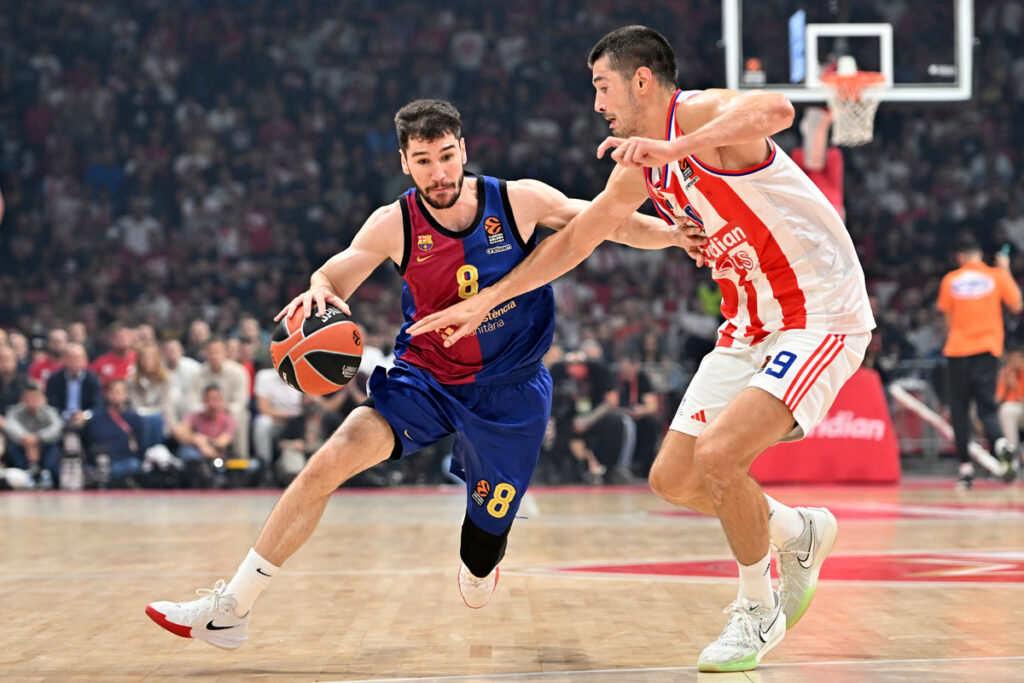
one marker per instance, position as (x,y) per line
(803,369)
(498,430)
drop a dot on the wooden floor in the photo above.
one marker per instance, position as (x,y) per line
(608,584)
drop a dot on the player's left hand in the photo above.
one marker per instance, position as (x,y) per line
(691,239)
(455,322)
(638,152)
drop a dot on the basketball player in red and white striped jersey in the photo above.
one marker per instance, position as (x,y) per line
(797,317)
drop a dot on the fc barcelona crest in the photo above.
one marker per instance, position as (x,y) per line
(425,242)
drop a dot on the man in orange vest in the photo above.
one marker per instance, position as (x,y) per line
(971,298)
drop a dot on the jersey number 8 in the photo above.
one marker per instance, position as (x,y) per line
(467,277)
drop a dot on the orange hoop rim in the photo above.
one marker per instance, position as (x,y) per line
(851,86)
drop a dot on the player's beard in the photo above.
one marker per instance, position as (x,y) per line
(433,203)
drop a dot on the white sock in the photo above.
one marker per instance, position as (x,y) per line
(784,523)
(756,581)
(253,576)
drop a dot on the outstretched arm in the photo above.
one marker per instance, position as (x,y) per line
(536,203)
(553,257)
(380,238)
(734,124)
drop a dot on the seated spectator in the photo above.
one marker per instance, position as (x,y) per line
(233,382)
(183,373)
(75,390)
(1010,394)
(41,369)
(119,361)
(33,432)
(302,434)
(249,330)
(19,344)
(150,393)
(640,402)
(605,428)
(195,340)
(206,437)
(113,439)
(12,385)
(276,403)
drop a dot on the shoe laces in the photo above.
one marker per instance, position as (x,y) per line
(216,594)
(741,628)
(471,580)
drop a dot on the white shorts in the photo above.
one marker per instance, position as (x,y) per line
(803,369)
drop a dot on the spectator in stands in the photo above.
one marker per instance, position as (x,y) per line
(78,333)
(19,344)
(233,382)
(183,373)
(76,394)
(195,340)
(249,330)
(1010,395)
(640,402)
(113,438)
(33,431)
(119,361)
(972,297)
(149,392)
(206,437)
(12,385)
(41,369)
(276,403)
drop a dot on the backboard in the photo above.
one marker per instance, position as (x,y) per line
(923,47)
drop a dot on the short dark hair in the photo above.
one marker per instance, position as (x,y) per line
(631,47)
(427,120)
(967,243)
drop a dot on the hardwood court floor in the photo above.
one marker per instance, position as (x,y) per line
(605,584)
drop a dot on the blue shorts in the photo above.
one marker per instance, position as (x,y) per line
(498,428)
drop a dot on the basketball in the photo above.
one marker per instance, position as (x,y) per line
(319,354)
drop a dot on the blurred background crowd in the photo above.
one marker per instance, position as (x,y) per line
(173,172)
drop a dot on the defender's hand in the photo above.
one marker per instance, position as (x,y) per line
(691,239)
(638,152)
(455,321)
(321,296)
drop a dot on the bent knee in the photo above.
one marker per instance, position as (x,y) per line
(675,484)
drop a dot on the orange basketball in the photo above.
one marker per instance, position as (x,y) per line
(319,354)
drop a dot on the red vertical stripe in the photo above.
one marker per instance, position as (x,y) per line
(834,351)
(773,261)
(808,367)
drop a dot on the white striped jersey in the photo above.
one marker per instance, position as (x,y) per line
(778,249)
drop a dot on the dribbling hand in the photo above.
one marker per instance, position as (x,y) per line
(321,296)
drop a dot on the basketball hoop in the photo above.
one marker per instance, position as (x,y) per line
(853,99)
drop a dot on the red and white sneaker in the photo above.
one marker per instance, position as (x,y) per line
(211,618)
(476,592)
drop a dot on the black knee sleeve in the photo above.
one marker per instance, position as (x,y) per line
(481,552)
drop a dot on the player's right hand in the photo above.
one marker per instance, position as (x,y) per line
(320,295)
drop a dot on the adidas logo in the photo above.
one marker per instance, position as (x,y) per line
(699,417)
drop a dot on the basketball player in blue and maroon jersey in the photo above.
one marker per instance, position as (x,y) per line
(449,236)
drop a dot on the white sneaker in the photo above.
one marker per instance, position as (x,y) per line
(752,631)
(801,559)
(211,618)
(476,592)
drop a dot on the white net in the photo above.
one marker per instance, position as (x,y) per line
(853,102)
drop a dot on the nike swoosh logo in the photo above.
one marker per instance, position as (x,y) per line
(408,435)
(421,259)
(810,547)
(762,632)
(260,571)
(211,627)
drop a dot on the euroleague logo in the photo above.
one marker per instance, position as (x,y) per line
(495,230)
(481,491)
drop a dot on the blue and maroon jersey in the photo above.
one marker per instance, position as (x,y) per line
(442,267)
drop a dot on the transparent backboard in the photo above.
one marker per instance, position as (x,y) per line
(923,47)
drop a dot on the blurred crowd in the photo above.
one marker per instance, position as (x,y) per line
(174,167)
